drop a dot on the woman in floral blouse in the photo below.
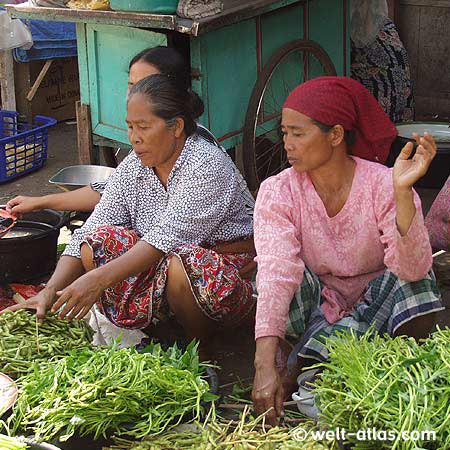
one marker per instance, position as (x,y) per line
(153,247)
(379,59)
(340,240)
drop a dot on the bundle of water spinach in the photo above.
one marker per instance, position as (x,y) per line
(11,443)
(248,433)
(106,391)
(387,393)
(23,340)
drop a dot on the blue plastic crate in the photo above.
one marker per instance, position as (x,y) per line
(23,146)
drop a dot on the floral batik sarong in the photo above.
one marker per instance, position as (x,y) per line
(139,301)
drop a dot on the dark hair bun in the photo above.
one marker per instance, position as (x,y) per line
(170,100)
(196,104)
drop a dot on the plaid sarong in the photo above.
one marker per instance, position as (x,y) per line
(387,304)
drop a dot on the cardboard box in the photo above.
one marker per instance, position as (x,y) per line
(57,93)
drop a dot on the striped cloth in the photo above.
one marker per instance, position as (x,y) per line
(387,304)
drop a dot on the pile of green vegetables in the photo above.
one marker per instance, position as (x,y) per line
(248,433)
(10,443)
(105,391)
(23,340)
(390,384)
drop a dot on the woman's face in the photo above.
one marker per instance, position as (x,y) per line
(155,144)
(138,71)
(306,145)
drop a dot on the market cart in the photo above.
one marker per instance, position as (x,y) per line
(244,62)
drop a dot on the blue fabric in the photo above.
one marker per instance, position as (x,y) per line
(42,30)
(24,56)
(51,40)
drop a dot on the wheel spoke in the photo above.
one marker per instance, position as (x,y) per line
(274,101)
(289,66)
(268,151)
(271,171)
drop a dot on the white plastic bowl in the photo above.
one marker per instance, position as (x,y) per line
(8,393)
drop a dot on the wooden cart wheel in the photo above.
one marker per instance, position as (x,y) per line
(262,146)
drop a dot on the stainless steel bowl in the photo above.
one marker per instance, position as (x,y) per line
(74,177)
(439,169)
(305,396)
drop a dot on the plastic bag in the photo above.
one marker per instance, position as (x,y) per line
(13,33)
(89,4)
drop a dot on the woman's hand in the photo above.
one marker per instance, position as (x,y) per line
(41,302)
(409,171)
(78,298)
(268,393)
(21,204)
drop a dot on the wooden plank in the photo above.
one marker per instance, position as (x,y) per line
(83,68)
(163,21)
(394,7)
(429,3)
(237,11)
(8,89)
(107,88)
(409,30)
(234,11)
(84,134)
(39,79)
(102,141)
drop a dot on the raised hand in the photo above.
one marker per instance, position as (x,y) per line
(409,171)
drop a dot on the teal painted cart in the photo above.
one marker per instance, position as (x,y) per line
(244,62)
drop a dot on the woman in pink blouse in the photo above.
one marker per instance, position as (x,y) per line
(340,239)
(437,220)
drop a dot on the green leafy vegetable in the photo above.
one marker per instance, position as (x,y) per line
(10,443)
(110,390)
(24,341)
(390,384)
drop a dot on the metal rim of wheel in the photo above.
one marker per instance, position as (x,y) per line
(261,156)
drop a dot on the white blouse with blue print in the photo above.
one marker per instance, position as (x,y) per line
(203,203)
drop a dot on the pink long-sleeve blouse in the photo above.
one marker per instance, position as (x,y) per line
(293,230)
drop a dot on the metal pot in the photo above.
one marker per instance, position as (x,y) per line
(305,396)
(439,169)
(28,251)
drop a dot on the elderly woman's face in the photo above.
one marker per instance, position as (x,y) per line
(153,141)
(306,145)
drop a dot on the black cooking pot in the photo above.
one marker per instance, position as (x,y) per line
(28,251)
(439,169)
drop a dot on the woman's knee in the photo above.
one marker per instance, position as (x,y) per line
(87,257)
(178,285)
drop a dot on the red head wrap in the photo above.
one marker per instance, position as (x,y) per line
(343,101)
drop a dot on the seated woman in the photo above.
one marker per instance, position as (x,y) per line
(148,251)
(438,219)
(340,240)
(151,61)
